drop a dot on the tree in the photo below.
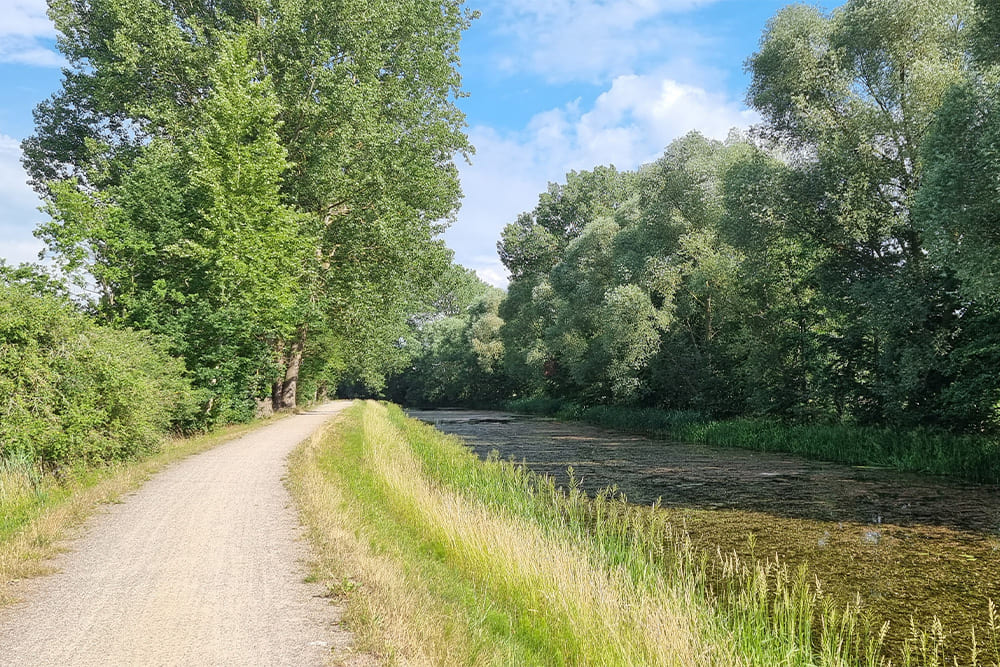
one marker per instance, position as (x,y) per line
(956,207)
(956,211)
(455,349)
(531,248)
(194,242)
(354,118)
(851,96)
(987,33)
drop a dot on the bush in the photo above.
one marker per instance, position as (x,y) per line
(72,390)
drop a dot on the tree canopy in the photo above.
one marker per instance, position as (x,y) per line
(259,181)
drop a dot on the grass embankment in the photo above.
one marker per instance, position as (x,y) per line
(971,457)
(448,560)
(38,508)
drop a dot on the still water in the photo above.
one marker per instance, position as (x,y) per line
(909,545)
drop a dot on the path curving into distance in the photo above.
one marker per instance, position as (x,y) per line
(203,565)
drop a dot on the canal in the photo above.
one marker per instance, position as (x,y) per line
(910,546)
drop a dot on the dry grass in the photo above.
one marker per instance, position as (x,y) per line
(53,506)
(395,618)
(443,559)
(447,604)
(599,616)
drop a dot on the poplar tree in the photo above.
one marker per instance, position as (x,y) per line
(261,180)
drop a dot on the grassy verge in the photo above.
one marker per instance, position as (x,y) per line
(971,457)
(38,509)
(443,559)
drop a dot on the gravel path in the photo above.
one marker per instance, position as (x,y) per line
(203,565)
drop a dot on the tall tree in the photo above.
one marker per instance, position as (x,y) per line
(956,211)
(361,114)
(853,93)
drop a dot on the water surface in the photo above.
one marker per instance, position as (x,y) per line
(909,545)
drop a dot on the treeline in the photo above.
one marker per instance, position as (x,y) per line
(258,187)
(455,350)
(838,263)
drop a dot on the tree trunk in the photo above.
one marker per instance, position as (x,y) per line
(276,394)
(276,384)
(289,388)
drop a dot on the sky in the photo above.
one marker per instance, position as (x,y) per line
(554,86)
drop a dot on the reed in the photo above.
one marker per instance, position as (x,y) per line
(972,457)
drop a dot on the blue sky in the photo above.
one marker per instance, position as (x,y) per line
(554,85)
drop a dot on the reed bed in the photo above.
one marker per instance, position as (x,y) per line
(974,457)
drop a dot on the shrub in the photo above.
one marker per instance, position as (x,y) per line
(72,390)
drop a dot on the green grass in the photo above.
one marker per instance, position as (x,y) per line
(454,561)
(971,457)
(26,489)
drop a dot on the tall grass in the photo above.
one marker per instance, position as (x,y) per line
(22,486)
(527,573)
(972,457)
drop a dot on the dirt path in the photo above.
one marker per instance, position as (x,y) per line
(203,565)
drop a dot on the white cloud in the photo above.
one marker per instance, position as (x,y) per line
(566,40)
(627,125)
(26,18)
(494,274)
(26,34)
(25,51)
(18,207)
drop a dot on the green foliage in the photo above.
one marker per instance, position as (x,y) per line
(987,33)
(875,75)
(642,275)
(194,243)
(455,351)
(958,203)
(78,392)
(33,278)
(245,178)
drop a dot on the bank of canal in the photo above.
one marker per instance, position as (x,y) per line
(909,545)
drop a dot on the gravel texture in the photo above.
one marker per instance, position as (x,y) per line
(204,565)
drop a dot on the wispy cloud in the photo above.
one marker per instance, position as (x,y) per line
(27,51)
(18,207)
(627,125)
(26,18)
(27,34)
(589,40)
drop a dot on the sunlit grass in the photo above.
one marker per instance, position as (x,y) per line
(449,560)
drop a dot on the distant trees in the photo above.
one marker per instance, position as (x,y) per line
(455,349)
(840,263)
(260,182)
